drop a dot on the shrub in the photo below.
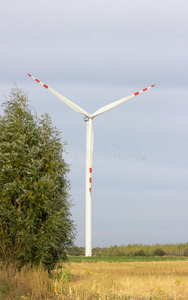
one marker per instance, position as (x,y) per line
(159,252)
(140,253)
(75,251)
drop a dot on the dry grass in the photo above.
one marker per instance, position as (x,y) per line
(101,280)
(29,283)
(149,280)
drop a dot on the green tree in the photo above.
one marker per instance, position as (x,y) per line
(159,252)
(35,218)
(76,251)
(140,253)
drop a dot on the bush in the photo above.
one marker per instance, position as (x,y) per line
(75,251)
(140,253)
(159,252)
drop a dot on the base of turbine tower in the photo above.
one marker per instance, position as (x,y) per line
(88,253)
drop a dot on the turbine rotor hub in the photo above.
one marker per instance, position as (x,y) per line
(86,118)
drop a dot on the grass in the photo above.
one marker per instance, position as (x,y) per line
(126,258)
(138,280)
(129,280)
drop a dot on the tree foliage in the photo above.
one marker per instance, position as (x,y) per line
(159,252)
(140,253)
(35,218)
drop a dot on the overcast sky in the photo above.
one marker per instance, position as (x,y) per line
(93,53)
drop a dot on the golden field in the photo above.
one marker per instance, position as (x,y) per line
(100,280)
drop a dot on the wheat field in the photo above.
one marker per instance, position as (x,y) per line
(100,280)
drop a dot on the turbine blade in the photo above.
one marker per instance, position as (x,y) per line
(113,104)
(65,100)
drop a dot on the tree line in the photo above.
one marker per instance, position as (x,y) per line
(180,249)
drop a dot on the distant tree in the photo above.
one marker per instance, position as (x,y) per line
(159,252)
(140,253)
(35,218)
(76,251)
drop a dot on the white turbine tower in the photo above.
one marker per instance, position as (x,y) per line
(89,151)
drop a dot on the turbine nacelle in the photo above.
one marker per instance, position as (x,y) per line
(86,118)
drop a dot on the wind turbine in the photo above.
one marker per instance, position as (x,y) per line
(89,151)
